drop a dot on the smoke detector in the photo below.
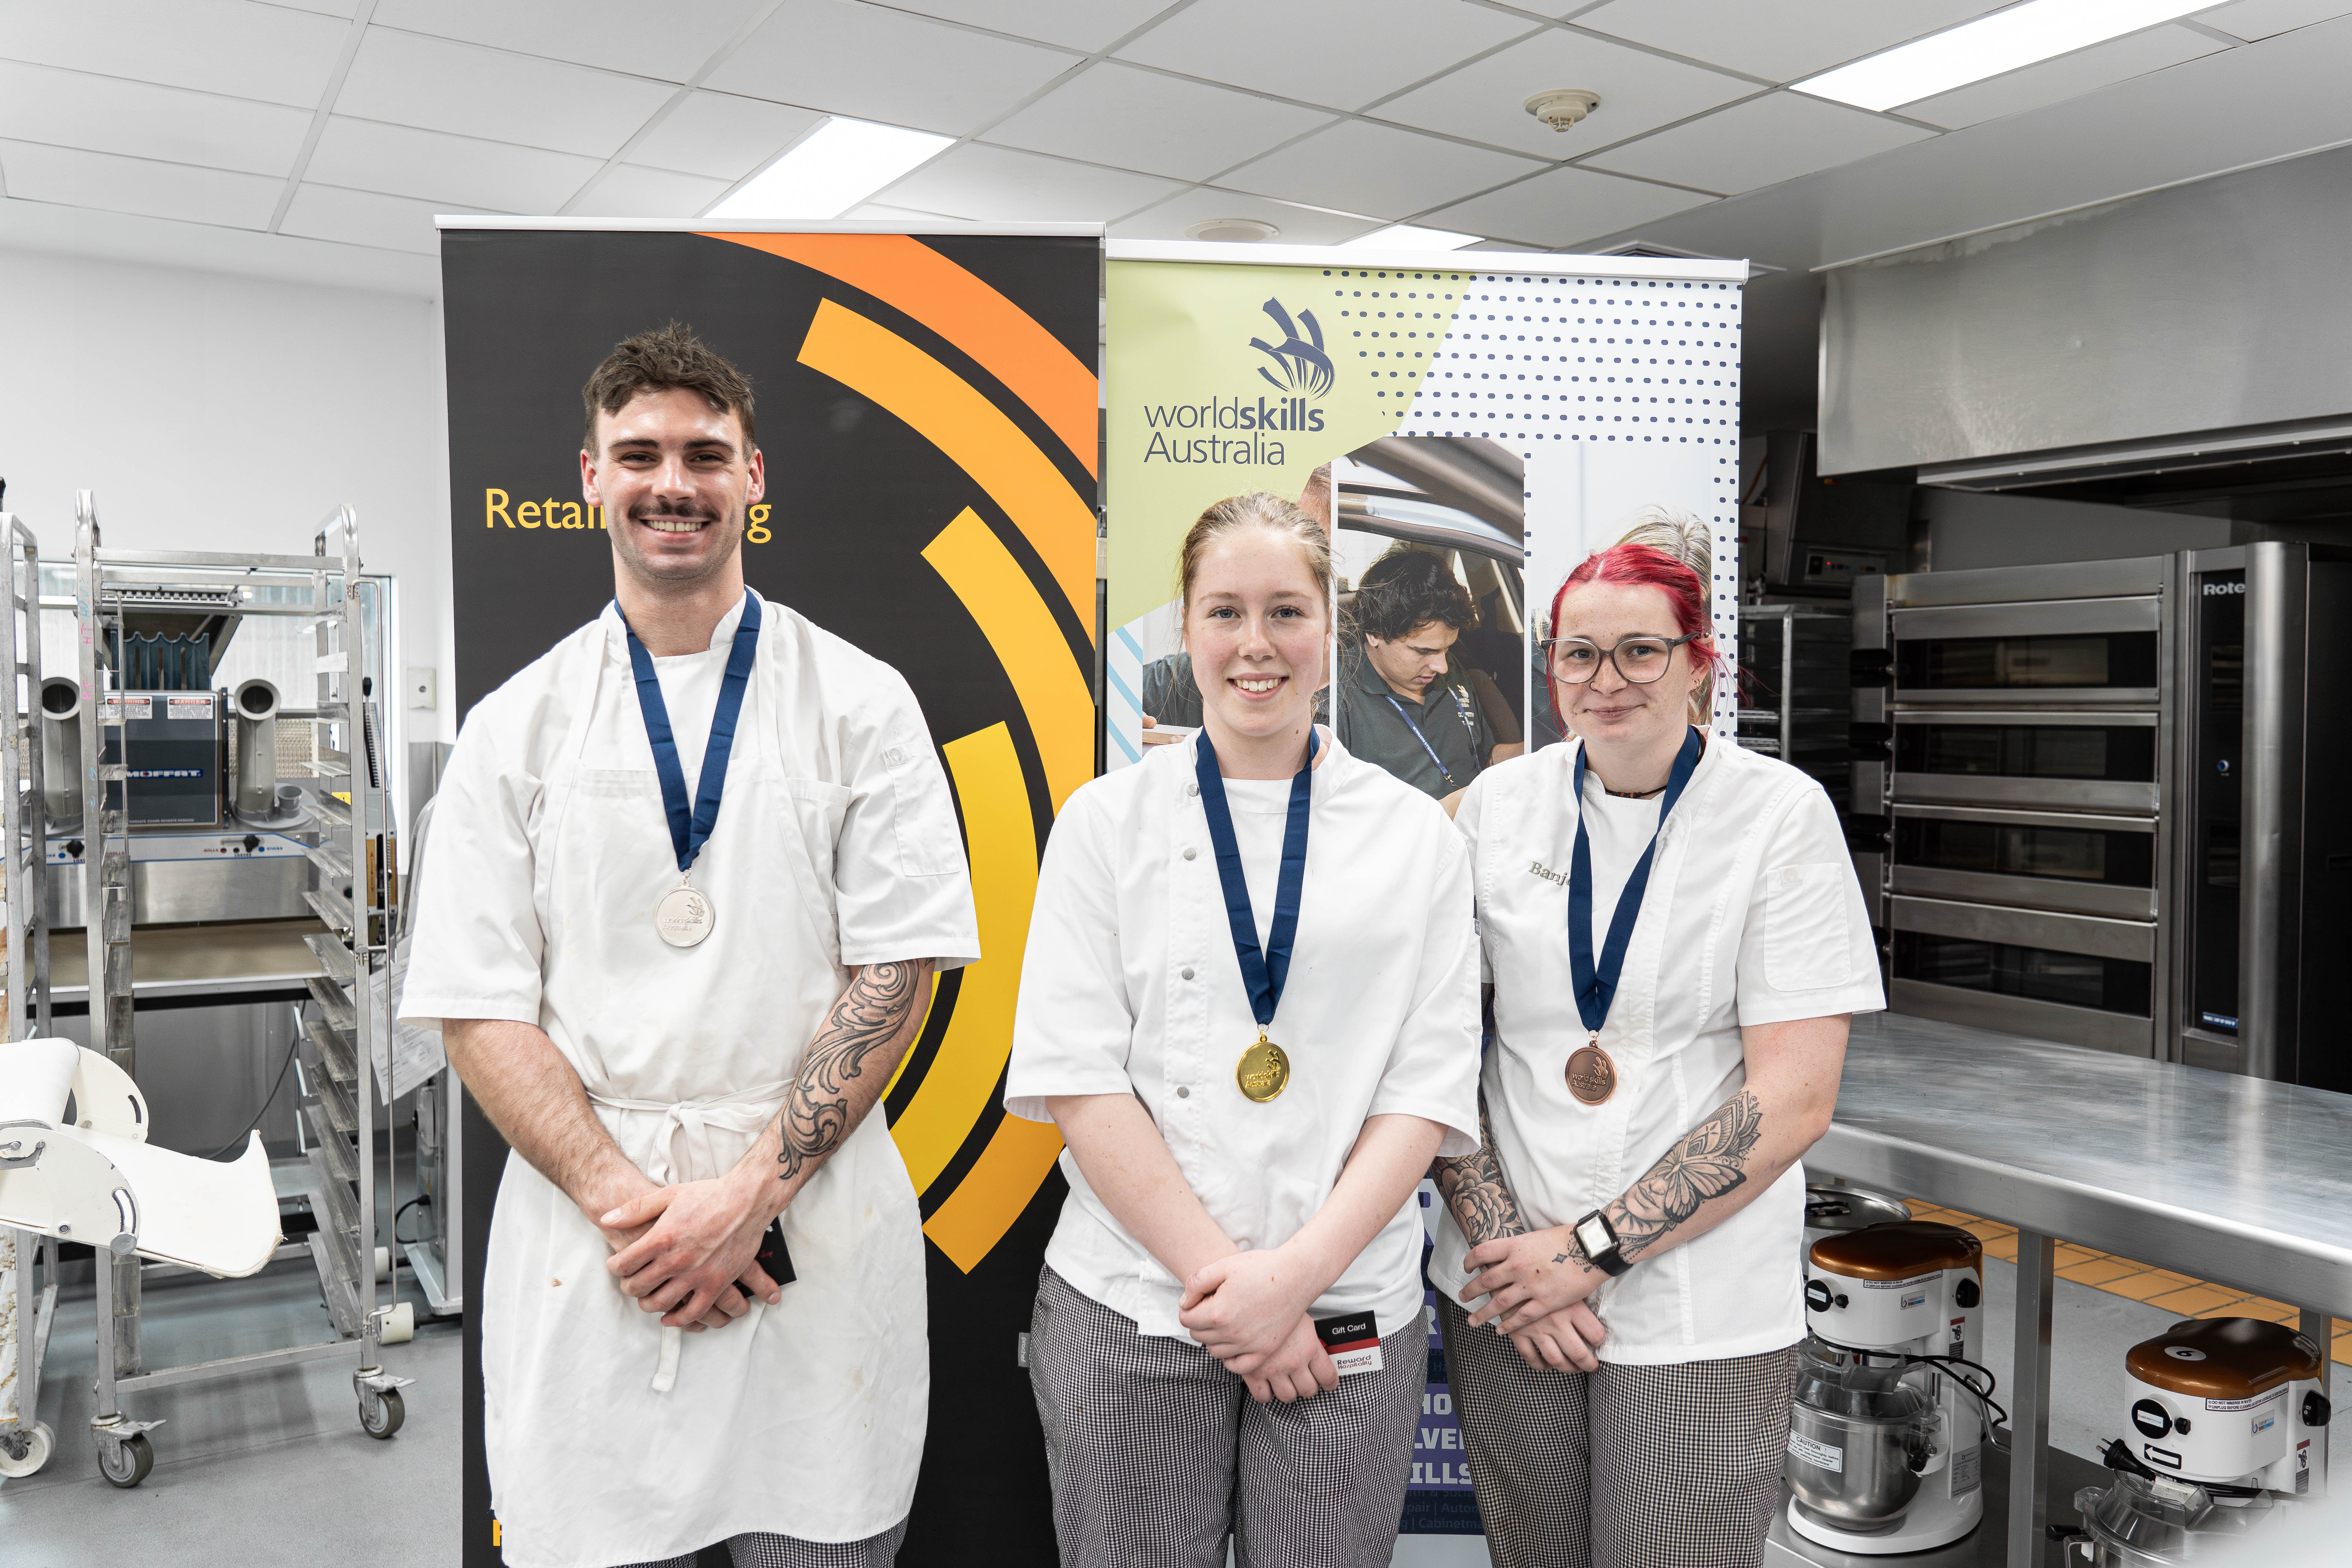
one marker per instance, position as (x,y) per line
(1562,107)
(1231,230)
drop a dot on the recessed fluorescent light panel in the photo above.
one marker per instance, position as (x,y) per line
(2004,41)
(1406,237)
(831,169)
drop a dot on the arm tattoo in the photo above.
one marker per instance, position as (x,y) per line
(1710,1161)
(868,1017)
(1474,1188)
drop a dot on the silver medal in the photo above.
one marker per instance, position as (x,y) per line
(683,916)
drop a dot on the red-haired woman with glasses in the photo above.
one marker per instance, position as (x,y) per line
(1675,943)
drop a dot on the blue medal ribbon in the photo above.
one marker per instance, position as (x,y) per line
(689,829)
(1444,771)
(1597,987)
(1261,973)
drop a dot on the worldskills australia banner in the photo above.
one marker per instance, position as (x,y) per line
(1507,412)
(1511,411)
(927,408)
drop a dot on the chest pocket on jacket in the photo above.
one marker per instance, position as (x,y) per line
(1808,926)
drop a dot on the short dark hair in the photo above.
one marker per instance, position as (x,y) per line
(1407,588)
(659,361)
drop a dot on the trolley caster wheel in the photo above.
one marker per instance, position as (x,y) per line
(38,1444)
(389,1414)
(126,1463)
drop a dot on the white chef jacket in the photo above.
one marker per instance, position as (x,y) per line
(1752,917)
(1131,984)
(611,1439)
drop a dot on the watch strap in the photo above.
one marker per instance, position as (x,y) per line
(1607,1260)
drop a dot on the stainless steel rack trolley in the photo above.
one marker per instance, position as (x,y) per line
(347,1021)
(29,1263)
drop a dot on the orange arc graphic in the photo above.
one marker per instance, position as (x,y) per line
(1004,340)
(992,1194)
(956,1091)
(1018,626)
(973,433)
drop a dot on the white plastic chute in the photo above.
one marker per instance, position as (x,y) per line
(94,1180)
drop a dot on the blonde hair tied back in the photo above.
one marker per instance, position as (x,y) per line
(1256,509)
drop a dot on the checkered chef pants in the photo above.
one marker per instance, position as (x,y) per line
(1157,1452)
(761,1551)
(1629,1466)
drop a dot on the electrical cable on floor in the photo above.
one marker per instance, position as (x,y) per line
(267,1101)
(425,1198)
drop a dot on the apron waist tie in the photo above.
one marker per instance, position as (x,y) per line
(682,1153)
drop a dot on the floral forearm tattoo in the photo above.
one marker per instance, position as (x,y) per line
(1474,1188)
(869,1017)
(1710,1160)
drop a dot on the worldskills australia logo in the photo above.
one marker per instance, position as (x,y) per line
(1248,431)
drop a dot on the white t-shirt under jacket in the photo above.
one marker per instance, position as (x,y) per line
(1131,985)
(1753,916)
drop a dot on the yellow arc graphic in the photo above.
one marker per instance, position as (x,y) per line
(956,1091)
(954,416)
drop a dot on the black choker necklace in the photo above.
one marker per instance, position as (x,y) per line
(1633,794)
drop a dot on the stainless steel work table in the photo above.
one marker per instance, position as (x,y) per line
(2225,1178)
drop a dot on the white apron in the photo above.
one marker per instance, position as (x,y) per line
(613,1441)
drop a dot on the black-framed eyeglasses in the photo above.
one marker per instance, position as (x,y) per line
(1640,659)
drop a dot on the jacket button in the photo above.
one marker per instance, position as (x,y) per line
(1189,854)
(1187,973)
(1182,1093)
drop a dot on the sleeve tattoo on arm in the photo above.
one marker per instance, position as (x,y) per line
(867,1017)
(1710,1160)
(1474,1188)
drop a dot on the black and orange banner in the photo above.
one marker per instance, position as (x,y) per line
(928,406)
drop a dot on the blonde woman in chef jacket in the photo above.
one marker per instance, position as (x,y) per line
(1616,1268)
(1227,1334)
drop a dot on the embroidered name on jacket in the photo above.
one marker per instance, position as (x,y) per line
(1537,868)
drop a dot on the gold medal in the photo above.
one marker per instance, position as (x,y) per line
(1592,1076)
(1263,1071)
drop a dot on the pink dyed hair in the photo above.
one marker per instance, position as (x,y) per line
(1644,564)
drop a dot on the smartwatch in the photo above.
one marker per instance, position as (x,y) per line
(1599,1238)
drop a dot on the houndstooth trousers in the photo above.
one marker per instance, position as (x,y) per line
(761,1550)
(1157,1452)
(1629,1466)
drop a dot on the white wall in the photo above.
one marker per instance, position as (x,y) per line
(213,412)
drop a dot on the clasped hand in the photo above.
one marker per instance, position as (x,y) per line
(682,1250)
(1534,1287)
(1249,1311)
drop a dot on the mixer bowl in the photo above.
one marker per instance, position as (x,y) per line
(2137,1523)
(1858,1439)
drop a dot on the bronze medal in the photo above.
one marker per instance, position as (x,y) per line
(1592,1076)
(1263,1071)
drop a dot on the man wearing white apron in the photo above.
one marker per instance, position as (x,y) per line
(693,870)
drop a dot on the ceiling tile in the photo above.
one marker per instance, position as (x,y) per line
(1345,53)
(610,34)
(107,114)
(1113,113)
(1783,40)
(2253,19)
(1760,143)
(722,137)
(343,8)
(876,212)
(403,78)
(830,54)
(1486,100)
(1299,226)
(1376,169)
(2068,75)
(975,180)
(363,217)
(1078,23)
(1562,207)
(230,46)
(71,178)
(433,166)
(630,191)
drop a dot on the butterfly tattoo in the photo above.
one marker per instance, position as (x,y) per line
(1710,1161)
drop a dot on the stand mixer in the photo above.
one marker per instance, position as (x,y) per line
(1889,1415)
(2224,1417)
